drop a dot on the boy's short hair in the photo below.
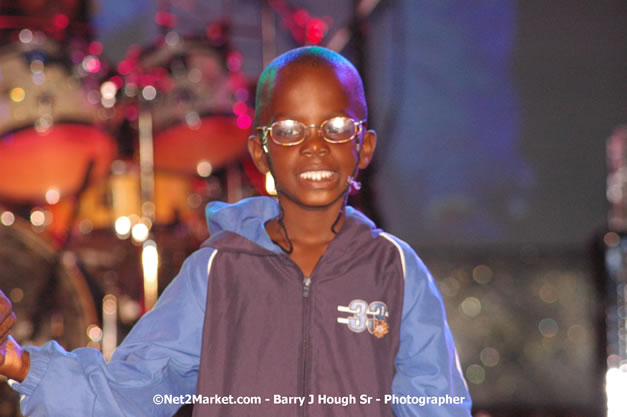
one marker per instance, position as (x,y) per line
(314,56)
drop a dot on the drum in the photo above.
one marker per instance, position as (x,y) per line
(191,97)
(51,297)
(50,139)
(176,198)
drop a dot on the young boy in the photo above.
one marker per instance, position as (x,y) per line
(301,308)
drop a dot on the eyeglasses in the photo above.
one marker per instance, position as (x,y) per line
(290,132)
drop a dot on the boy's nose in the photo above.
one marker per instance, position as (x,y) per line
(314,143)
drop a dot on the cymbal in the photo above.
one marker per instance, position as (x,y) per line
(31,163)
(215,139)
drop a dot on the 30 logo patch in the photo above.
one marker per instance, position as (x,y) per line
(366,316)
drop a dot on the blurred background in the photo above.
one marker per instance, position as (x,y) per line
(501,159)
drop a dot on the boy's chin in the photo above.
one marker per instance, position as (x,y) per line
(315,200)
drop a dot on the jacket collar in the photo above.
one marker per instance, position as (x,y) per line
(229,223)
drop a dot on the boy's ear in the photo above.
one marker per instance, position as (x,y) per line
(368,143)
(255,149)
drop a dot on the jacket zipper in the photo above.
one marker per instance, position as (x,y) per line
(306,308)
(306,286)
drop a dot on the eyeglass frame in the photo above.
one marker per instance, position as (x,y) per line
(267,131)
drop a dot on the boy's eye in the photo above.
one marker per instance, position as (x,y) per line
(287,129)
(339,128)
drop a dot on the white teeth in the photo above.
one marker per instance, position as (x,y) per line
(316,175)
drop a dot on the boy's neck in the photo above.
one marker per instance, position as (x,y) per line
(311,226)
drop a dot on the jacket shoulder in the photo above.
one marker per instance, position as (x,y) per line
(411,264)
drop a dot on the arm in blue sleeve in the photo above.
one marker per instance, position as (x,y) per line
(161,355)
(426,364)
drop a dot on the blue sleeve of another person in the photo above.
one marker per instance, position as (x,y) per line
(161,355)
(427,367)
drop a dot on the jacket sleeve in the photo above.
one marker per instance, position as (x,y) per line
(428,373)
(161,355)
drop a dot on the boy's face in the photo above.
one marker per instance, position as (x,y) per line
(311,95)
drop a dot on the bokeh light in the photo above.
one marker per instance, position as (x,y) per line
(17,94)
(471,306)
(548,327)
(475,374)
(204,168)
(7,218)
(482,274)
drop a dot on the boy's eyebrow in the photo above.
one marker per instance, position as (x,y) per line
(287,116)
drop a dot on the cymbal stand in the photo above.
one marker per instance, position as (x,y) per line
(147,181)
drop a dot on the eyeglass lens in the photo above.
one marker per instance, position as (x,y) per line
(338,129)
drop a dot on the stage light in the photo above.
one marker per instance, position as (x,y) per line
(204,168)
(109,325)
(17,95)
(107,103)
(149,92)
(192,119)
(94,332)
(301,17)
(548,293)
(16,295)
(117,81)
(172,38)
(315,30)
(122,227)
(611,239)
(95,48)
(37,218)
(150,263)
(108,89)
(475,374)
(125,67)
(615,388)
(244,121)
(482,274)
(36,66)
(240,108)
(39,78)
(53,196)
(61,21)
(471,307)
(93,97)
(548,327)
(140,232)
(129,310)
(44,123)
(26,36)
(163,18)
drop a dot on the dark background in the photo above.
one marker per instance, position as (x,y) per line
(492,118)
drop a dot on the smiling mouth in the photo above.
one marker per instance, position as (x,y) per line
(321,175)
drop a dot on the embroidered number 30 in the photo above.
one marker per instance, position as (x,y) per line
(364,315)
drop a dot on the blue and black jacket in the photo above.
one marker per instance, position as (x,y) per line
(364,335)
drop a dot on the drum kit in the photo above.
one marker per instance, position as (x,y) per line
(97,165)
